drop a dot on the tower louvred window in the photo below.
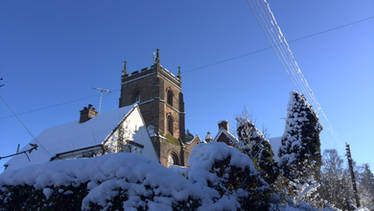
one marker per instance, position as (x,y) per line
(170,124)
(170,97)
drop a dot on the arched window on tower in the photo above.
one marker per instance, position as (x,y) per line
(170,125)
(172,159)
(170,96)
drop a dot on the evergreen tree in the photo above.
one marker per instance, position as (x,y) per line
(300,156)
(253,143)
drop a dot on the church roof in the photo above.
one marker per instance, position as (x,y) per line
(70,136)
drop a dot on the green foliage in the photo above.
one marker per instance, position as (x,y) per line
(121,196)
(254,144)
(300,153)
(171,139)
(25,197)
(234,179)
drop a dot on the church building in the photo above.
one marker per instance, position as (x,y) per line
(159,95)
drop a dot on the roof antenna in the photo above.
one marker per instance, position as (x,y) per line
(102,91)
(33,147)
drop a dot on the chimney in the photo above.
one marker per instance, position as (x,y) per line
(223,125)
(208,137)
(87,113)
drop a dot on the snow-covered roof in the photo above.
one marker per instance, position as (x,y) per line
(70,136)
(228,134)
(275,142)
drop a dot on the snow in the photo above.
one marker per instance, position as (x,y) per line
(146,183)
(276,143)
(228,134)
(71,136)
(166,70)
(203,157)
(128,171)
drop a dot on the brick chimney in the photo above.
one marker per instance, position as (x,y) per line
(87,113)
(223,125)
(208,137)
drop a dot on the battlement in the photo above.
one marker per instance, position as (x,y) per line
(156,69)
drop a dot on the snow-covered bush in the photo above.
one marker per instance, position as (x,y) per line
(219,178)
(113,181)
(231,174)
(28,197)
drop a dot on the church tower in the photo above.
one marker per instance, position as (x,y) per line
(159,95)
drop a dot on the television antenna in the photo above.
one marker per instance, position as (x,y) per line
(33,147)
(102,91)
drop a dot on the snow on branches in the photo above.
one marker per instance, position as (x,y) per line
(300,155)
(253,143)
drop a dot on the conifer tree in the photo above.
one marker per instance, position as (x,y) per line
(300,154)
(253,143)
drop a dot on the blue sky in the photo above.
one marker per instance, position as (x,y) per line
(56,51)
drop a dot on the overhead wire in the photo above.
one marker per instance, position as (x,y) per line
(290,41)
(300,84)
(299,73)
(217,62)
(290,57)
(54,105)
(282,44)
(266,22)
(23,124)
(279,44)
(266,28)
(269,32)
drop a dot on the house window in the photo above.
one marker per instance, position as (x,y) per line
(170,97)
(133,147)
(170,124)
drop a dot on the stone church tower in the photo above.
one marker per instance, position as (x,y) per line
(159,95)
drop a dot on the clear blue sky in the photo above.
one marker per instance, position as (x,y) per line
(55,51)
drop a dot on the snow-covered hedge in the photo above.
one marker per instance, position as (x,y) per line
(232,174)
(220,177)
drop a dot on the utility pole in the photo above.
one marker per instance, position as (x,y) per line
(349,158)
(101,91)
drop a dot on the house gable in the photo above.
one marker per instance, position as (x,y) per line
(70,139)
(131,132)
(226,137)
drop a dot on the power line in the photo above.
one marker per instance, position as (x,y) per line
(212,64)
(53,105)
(266,20)
(22,124)
(290,41)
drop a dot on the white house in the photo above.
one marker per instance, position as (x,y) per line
(116,131)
